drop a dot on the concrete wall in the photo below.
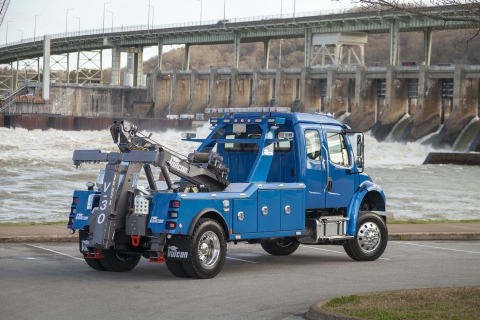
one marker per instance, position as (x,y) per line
(87,101)
(426,115)
(299,89)
(363,114)
(395,104)
(465,106)
(162,94)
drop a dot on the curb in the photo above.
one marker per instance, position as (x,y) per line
(434,236)
(50,238)
(316,313)
(424,236)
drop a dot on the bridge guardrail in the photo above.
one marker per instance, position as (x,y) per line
(144,27)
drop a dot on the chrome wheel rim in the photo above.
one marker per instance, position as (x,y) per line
(208,249)
(368,237)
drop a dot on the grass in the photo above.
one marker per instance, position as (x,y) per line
(436,303)
(415,221)
(22,224)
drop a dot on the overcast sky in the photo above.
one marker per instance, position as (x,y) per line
(53,13)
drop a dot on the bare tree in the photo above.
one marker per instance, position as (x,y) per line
(466,11)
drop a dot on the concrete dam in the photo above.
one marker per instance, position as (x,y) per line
(437,105)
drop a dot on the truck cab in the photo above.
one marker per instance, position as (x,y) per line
(263,175)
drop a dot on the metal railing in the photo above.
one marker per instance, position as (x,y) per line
(8,104)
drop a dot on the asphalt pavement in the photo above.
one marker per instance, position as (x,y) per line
(44,276)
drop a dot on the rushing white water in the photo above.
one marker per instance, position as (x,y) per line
(37,176)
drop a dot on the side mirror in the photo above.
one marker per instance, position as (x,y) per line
(360,149)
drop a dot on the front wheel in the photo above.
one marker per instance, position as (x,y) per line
(284,247)
(371,239)
(207,252)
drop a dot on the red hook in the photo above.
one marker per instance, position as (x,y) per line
(135,241)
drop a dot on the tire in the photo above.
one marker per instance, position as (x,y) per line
(118,262)
(94,264)
(176,268)
(207,251)
(371,239)
(284,247)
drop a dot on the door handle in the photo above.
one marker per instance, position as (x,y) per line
(326,167)
(330,184)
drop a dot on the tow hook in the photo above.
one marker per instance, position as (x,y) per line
(135,241)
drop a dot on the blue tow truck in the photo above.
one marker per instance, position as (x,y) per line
(263,175)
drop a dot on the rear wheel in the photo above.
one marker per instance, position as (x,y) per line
(207,252)
(118,262)
(176,268)
(94,263)
(283,247)
(371,239)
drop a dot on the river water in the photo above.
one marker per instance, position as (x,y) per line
(37,176)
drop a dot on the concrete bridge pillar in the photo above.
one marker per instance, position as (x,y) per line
(307,47)
(427,45)
(236,49)
(362,116)
(186,57)
(426,118)
(266,52)
(254,89)
(160,53)
(115,66)
(465,100)
(46,68)
(394,42)
(138,67)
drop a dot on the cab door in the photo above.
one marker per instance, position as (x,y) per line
(314,167)
(340,182)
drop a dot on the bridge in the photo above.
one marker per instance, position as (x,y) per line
(406,102)
(326,33)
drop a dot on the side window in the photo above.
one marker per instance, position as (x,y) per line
(312,143)
(337,148)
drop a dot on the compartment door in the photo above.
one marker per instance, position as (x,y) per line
(244,216)
(269,219)
(292,210)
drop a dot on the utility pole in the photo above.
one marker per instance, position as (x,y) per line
(66,23)
(148,27)
(104,16)
(78,24)
(201,5)
(6,33)
(112,18)
(35,27)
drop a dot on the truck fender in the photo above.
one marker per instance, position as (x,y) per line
(211,214)
(374,193)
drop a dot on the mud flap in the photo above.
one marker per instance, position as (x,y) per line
(177,248)
(83,243)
